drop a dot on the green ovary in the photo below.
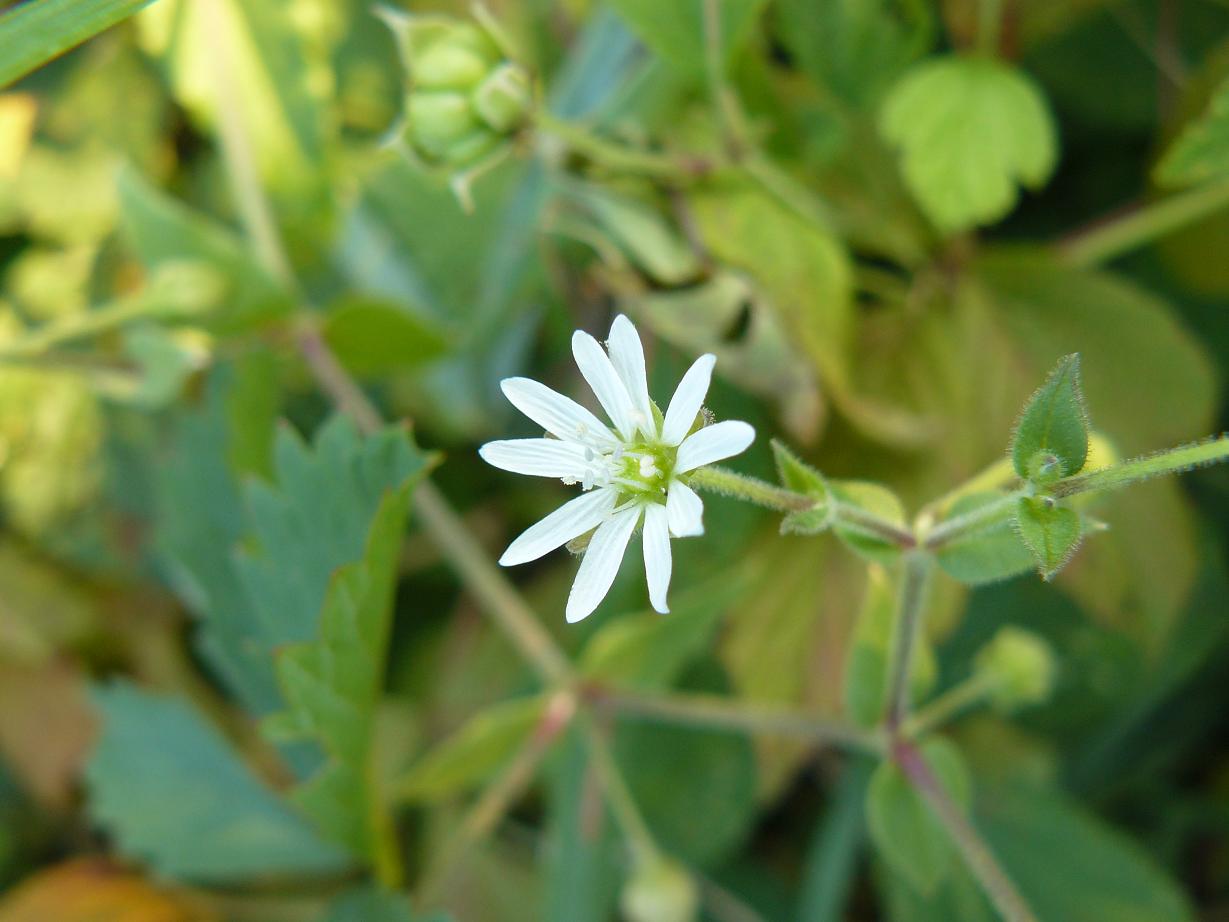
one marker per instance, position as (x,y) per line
(645,470)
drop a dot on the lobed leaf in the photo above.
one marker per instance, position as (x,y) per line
(970,131)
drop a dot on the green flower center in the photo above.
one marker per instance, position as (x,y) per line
(645,470)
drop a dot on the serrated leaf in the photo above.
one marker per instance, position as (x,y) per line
(873,498)
(988,555)
(369,904)
(332,685)
(152,750)
(904,829)
(471,754)
(1201,152)
(295,534)
(865,686)
(971,131)
(676,31)
(1054,422)
(163,231)
(1051,531)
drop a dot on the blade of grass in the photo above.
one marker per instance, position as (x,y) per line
(33,33)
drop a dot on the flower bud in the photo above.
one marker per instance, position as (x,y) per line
(503,99)
(1018,666)
(458,61)
(438,120)
(660,890)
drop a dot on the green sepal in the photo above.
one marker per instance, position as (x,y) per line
(1050,530)
(1054,424)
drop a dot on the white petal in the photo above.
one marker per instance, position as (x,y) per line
(571,520)
(687,400)
(712,443)
(538,457)
(558,415)
(657,562)
(627,356)
(601,564)
(685,510)
(607,386)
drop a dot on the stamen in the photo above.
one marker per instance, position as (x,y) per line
(648,467)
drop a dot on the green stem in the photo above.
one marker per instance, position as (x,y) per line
(948,705)
(1173,461)
(977,855)
(989,27)
(981,519)
(619,797)
(722,713)
(1142,226)
(910,607)
(619,157)
(43,339)
(762,493)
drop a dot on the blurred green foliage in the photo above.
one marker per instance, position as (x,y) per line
(230,690)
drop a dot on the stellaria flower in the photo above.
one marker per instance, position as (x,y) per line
(631,471)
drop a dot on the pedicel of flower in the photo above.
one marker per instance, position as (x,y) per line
(630,471)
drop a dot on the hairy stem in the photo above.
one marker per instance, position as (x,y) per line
(910,607)
(977,855)
(1172,461)
(722,713)
(981,519)
(1117,236)
(620,157)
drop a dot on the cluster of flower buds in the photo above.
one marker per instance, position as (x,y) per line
(1019,668)
(464,98)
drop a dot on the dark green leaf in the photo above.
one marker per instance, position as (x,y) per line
(174,794)
(332,685)
(904,829)
(33,33)
(372,337)
(1054,422)
(1052,532)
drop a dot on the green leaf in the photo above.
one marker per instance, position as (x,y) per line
(174,794)
(332,685)
(373,337)
(1201,152)
(877,500)
(803,272)
(676,31)
(985,556)
(832,859)
(970,130)
(471,754)
(1105,874)
(295,534)
(163,231)
(904,829)
(1051,531)
(865,688)
(369,904)
(642,232)
(1054,422)
(33,33)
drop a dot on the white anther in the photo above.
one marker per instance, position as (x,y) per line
(647,467)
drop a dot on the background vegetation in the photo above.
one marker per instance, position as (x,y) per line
(888,219)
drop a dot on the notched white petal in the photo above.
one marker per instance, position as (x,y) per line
(713,443)
(657,560)
(685,511)
(605,382)
(559,415)
(687,400)
(601,563)
(627,356)
(538,458)
(569,521)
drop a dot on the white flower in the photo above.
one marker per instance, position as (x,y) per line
(630,471)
